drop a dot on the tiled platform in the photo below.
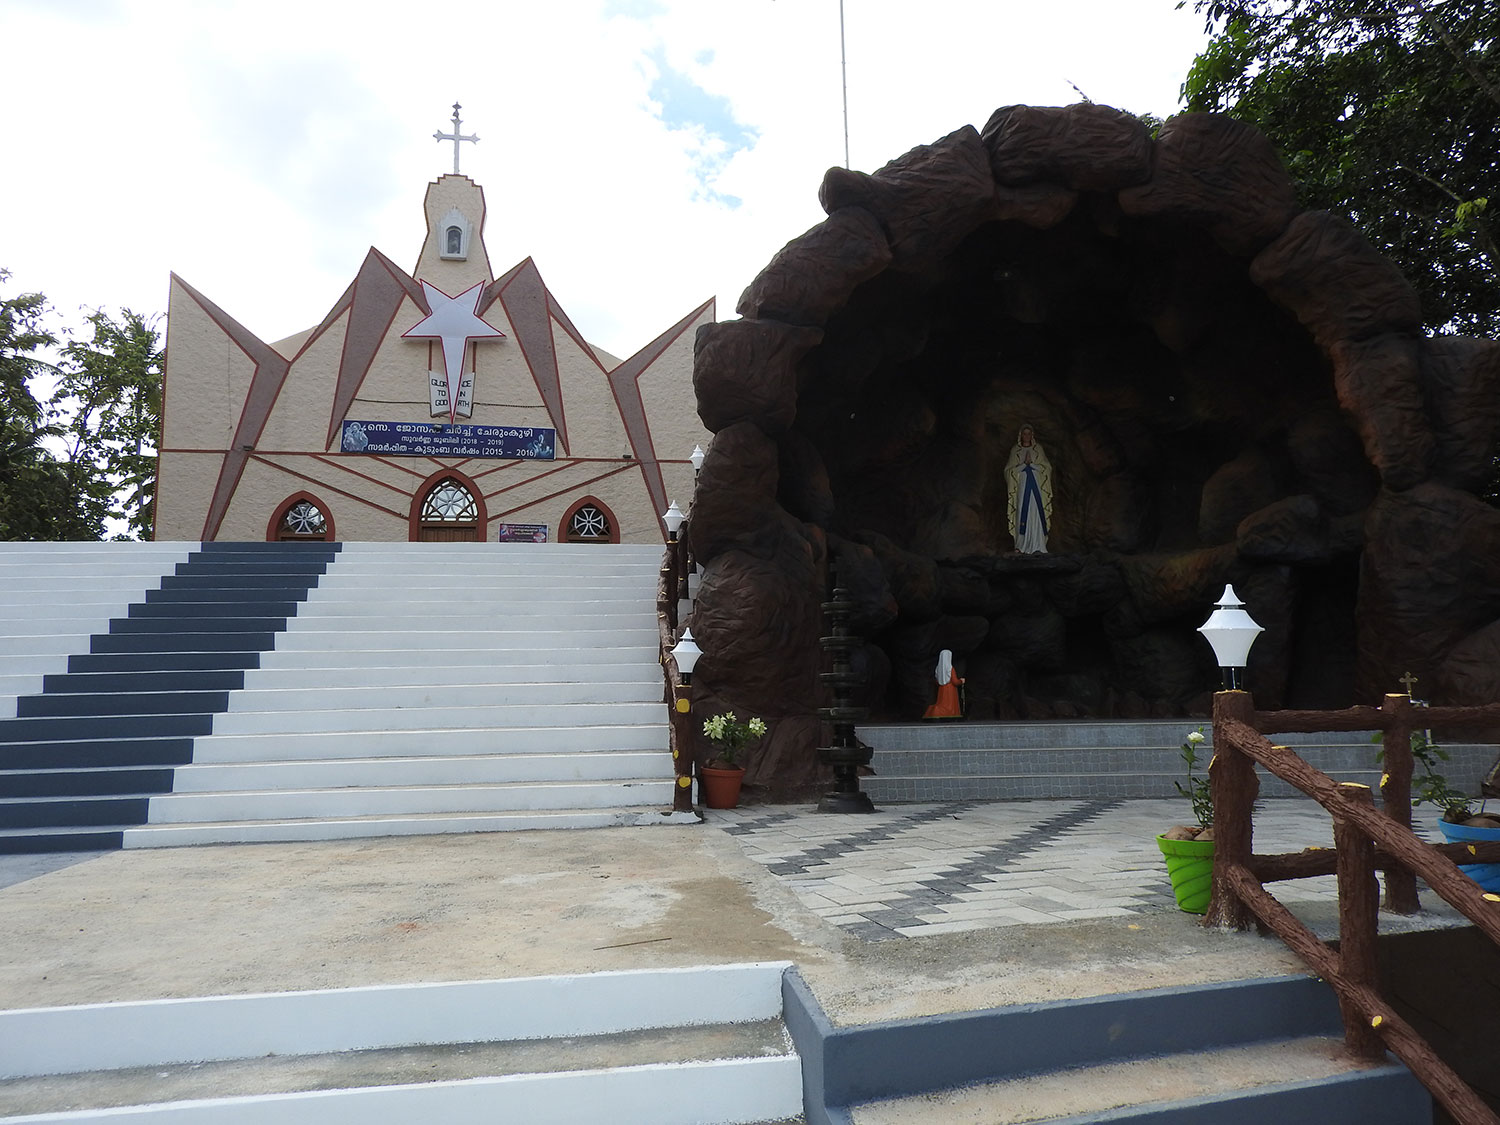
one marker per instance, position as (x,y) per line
(917,870)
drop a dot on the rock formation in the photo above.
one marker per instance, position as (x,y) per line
(1228,390)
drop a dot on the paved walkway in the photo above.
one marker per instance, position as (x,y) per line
(921,870)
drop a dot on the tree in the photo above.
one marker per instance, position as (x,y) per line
(108,408)
(21,335)
(1385,111)
(84,452)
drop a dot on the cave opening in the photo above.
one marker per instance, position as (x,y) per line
(1191,424)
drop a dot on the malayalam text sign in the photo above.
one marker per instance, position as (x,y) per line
(431,439)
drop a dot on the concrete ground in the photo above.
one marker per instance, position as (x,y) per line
(147,924)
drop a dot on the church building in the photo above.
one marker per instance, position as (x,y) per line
(444,404)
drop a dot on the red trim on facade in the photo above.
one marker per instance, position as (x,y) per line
(269,373)
(532,479)
(273,529)
(559,492)
(624,385)
(372,312)
(414,519)
(501,467)
(614,524)
(323,484)
(527,305)
(333,462)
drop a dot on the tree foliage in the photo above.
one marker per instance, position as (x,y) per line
(77,438)
(1386,111)
(108,409)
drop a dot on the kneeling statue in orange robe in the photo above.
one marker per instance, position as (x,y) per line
(947,705)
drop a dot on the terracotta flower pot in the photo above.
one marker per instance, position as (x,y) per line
(1487,875)
(1190,865)
(721,788)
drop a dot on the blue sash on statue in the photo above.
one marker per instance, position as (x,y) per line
(1029,490)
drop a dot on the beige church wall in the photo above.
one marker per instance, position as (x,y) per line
(453,277)
(299,417)
(667,393)
(267,482)
(594,426)
(207,379)
(184,487)
(290,346)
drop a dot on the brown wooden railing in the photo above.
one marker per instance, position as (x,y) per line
(1364,841)
(672,585)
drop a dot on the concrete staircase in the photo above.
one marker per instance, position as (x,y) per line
(649,1047)
(965,761)
(269,692)
(1234,1053)
(81,758)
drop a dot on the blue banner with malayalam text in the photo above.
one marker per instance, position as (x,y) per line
(433,439)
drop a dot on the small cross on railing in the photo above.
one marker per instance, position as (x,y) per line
(456,136)
(1409,681)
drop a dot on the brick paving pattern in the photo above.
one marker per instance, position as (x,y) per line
(921,869)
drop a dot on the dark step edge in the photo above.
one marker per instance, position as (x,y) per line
(99,838)
(904,1058)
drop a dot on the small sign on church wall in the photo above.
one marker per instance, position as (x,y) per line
(431,439)
(521,533)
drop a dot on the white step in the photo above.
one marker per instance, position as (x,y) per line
(439,719)
(411,824)
(34,644)
(456,657)
(440,697)
(90,1039)
(472,602)
(280,804)
(535,620)
(80,598)
(468,769)
(603,738)
(424,640)
(637,671)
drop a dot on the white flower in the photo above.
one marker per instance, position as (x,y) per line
(1196,737)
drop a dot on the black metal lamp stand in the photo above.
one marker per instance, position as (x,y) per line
(846,755)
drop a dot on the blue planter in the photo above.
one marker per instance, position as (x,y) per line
(1487,875)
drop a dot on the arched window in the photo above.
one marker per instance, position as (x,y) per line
(301,517)
(448,510)
(589,520)
(455,230)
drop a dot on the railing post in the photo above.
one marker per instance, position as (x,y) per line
(1234,786)
(681,733)
(1395,796)
(1359,906)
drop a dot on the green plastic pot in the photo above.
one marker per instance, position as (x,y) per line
(1190,864)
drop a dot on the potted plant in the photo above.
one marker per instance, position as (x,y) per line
(1460,823)
(1189,849)
(722,775)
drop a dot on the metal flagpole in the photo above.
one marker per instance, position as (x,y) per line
(844,75)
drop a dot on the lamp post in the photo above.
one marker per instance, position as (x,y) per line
(686,653)
(1230,632)
(673,518)
(696,457)
(846,754)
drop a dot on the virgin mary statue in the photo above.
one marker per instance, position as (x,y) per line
(1028,477)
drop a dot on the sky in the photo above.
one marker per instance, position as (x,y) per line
(647,154)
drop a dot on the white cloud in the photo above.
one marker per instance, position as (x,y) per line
(259,149)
